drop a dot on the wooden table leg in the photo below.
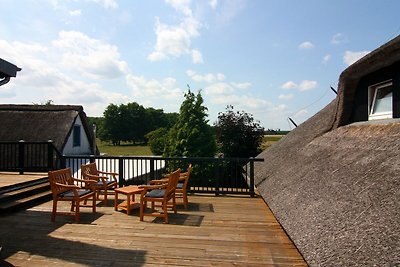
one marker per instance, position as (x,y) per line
(128,204)
(115,200)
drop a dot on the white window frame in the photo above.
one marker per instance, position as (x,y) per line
(372,92)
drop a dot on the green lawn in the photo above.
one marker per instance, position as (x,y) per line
(269,140)
(140,150)
(123,150)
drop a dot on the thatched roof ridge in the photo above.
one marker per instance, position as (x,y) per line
(41,123)
(41,107)
(335,188)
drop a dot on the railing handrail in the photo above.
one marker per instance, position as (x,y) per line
(215,173)
(216,159)
(25,161)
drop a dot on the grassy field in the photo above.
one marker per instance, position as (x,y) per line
(123,150)
(140,150)
(269,140)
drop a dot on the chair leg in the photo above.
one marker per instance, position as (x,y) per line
(165,207)
(105,196)
(77,211)
(174,204)
(143,205)
(185,199)
(53,214)
(94,202)
(72,205)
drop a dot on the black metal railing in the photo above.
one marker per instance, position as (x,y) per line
(29,156)
(209,175)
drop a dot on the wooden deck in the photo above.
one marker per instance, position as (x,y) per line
(10,178)
(214,231)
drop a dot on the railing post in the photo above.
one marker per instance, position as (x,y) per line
(121,172)
(50,155)
(92,159)
(63,162)
(152,176)
(217,174)
(252,189)
(21,154)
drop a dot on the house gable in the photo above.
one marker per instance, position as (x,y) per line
(41,123)
(71,147)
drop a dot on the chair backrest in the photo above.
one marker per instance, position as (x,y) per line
(62,176)
(187,173)
(90,168)
(173,180)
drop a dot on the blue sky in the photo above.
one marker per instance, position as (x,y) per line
(273,59)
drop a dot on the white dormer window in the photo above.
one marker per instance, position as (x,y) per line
(381,101)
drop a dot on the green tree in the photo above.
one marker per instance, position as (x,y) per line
(191,136)
(112,125)
(238,135)
(157,140)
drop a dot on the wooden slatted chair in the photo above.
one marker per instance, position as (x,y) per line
(161,193)
(105,180)
(64,188)
(181,188)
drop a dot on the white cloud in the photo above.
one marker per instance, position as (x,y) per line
(307,85)
(285,96)
(220,77)
(350,57)
(106,3)
(326,58)
(300,114)
(338,38)
(304,85)
(209,77)
(154,89)
(306,45)
(213,3)
(75,13)
(219,89)
(181,6)
(241,85)
(228,10)
(289,85)
(92,57)
(44,77)
(197,58)
(174,40)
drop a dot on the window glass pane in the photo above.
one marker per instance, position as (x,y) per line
(77,135)
(383,100)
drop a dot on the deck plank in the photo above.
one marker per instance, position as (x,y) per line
(11,178)
(214,231)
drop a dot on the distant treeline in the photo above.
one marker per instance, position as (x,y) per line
(275,132)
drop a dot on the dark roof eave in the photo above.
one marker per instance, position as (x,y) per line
(8,69)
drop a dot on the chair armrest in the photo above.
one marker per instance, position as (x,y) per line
(68,186)
(95,177)
(112,174)
(86,181)
(152,187)
(161,181)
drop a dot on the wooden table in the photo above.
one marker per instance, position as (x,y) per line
(130,192)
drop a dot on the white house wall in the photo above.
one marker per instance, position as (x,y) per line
(84,148)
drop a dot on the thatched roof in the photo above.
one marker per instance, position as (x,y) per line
(335,188)
(40,123)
